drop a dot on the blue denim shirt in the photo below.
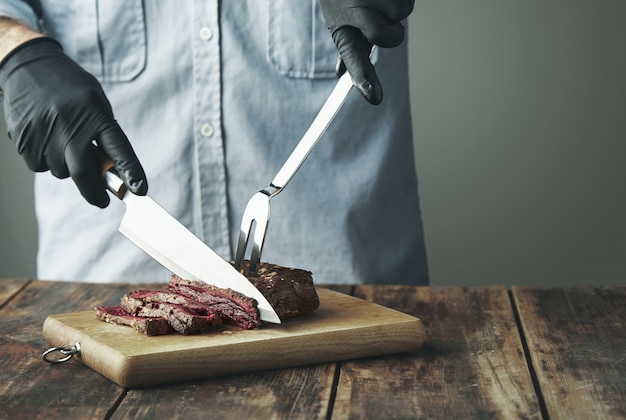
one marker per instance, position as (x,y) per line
(214,96)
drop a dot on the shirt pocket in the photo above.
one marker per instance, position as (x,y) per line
(299,43)
(107,38)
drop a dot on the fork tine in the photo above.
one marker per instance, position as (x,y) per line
(254,224)
(242,243)
(258,239)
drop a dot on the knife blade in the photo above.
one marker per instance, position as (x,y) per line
(160,235)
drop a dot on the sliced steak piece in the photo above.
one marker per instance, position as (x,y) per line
(190,306)
(148,326)
(233,307)
(290,291)
(185,321)
(160,296)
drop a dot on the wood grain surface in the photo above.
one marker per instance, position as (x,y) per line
(472,366)
(294,393)
(473,362)
(343,327)
(9,288)
(577,343)
(31,388)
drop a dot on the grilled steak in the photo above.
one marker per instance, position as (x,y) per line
(183,319)
(233,307)
(190,306)
(198,308)
(145,325)
(290,291)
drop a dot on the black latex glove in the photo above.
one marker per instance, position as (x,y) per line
(54,110)
(355,26)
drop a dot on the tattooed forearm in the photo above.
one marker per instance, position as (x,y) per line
(12,34)
(5,25)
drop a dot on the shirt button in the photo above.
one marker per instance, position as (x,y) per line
(206,33)
(206,130)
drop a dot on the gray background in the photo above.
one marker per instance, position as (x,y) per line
(519,111)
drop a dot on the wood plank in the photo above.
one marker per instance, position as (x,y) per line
(472,365)
(343,327)
(9,287)
(32,388)
(341,288)
(279,394)
(577,344)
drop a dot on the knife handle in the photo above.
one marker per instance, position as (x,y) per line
(111,179)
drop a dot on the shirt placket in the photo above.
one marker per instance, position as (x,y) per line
(208,135)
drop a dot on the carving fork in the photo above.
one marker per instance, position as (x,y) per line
(256,215)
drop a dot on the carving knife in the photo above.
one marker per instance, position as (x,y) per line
(165,239)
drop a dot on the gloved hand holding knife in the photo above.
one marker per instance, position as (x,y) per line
(355,26)
(54,110)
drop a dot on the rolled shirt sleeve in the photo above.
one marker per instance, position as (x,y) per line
(21,11)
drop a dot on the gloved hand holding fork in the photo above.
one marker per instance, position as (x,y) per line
(355,26)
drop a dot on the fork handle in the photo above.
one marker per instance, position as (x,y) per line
(313,134)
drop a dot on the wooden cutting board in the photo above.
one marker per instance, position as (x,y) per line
(344,327)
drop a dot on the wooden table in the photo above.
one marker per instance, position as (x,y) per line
(490,353)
